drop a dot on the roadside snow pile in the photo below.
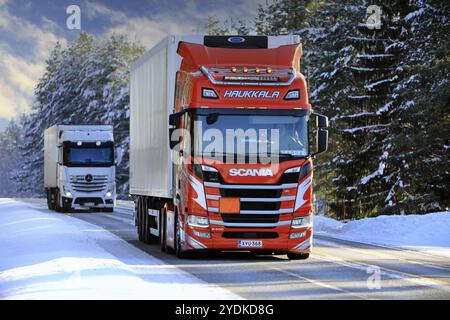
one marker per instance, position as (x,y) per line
(46,255)
(428,232)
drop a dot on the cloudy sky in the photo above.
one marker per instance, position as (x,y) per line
(30,28)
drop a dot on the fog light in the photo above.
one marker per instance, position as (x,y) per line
(202,234)
(198,221)
(297,235)
(301,222)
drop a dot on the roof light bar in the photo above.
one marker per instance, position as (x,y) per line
(250,80)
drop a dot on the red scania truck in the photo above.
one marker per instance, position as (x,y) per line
(222,139)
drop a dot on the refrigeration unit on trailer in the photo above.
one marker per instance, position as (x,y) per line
(79,168)
(190,197)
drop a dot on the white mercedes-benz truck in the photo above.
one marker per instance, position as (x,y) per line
(79,168)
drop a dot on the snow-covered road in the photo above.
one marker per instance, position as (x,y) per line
(97,255)
(48,255)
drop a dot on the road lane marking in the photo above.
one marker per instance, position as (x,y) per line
(394,274)
(391,256)
(319,283)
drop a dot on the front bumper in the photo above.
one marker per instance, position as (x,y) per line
(88,202)
(282,243)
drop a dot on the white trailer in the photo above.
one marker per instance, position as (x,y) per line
(79,168)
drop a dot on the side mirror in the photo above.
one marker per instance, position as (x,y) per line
(321,124)
(174,123)
(322,140)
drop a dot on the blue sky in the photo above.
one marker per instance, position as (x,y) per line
(29,29)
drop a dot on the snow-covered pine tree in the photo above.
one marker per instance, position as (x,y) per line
(363,122)
(10,158)
(418,168)
(85,83)
(389,147)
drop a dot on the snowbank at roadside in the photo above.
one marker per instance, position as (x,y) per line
(428,232)
(46,255)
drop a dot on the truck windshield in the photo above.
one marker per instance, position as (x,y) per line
(88,155)
(244,135)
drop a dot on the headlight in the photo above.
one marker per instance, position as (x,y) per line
(302,222)
(66,192)
(209,169)
(206,173)
(109,194)
(293,170)
(198,221)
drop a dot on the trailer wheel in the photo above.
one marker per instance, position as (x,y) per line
(297,256)
(144,223)
(141,226)
(50,203)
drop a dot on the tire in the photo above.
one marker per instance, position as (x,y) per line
(179,252)
(58,207)
(144,223)
(49,200)
(297,256)
(141,227)
(163,237)
(163,226)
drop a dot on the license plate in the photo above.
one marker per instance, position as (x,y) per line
(89,204)
(250,243)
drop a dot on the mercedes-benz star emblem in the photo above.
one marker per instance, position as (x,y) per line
(88,178)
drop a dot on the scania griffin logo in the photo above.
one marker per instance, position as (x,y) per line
(251,172)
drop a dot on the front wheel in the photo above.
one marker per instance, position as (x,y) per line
(58,203)
(297,256)
(179,252)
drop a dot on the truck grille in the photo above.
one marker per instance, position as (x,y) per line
(249,235)
(251,193)
(261,206)
(250,218)
(83,183)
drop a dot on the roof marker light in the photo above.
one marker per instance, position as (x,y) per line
(245,70)
(269,70)
(209,93)
(257,70)
(233,69)
(292,95)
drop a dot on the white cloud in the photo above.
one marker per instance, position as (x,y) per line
(150,29)
(20,73)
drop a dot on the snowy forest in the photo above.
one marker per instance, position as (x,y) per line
(385,89)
